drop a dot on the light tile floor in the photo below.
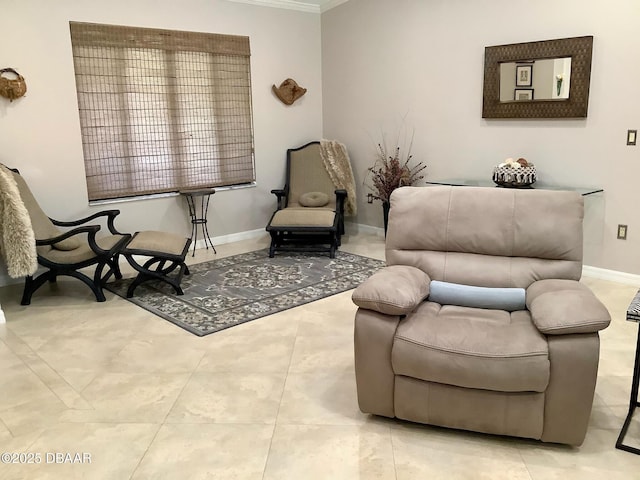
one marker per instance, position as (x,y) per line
(270,399)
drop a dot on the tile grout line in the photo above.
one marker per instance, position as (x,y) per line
(7,428)
(30,365)
(284,387)
(524,462)
(135,469)
(393,453)
(163,423)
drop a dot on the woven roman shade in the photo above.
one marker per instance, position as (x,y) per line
(162,110)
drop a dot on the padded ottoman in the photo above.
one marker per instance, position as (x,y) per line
(167,252)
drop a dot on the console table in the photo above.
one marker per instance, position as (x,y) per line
(584,191)
(633,315)
(199,217)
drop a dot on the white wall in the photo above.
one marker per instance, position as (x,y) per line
(380,61)
(40,133)
(422,60)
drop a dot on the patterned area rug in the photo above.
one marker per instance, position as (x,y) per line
(226,292)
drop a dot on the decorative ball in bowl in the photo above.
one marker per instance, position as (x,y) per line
(515,173)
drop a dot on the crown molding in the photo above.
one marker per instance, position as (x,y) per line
(331,4)
(293,5)
(286,4)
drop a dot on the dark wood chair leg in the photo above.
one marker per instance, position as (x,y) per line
(272,247)
(96,287)
(114,263)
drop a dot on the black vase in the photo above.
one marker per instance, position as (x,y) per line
(385,215)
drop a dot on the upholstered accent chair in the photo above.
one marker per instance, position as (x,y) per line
(526,371)
(67,252)
(310,209)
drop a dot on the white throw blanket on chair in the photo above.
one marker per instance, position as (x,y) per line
(338,165)
(17,240)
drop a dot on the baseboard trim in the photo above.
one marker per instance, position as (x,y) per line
(355,228)
(232,237)
(611,275)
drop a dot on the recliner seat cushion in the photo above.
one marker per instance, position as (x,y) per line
(291,217)
(473,348)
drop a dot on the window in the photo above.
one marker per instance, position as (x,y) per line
(162,110)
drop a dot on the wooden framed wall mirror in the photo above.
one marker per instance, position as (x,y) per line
(546,79)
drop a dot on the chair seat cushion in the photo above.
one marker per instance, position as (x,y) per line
(157,244)
(474,348)
(80,254)
(293,217)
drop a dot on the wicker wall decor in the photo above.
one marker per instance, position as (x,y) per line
(12,86)
(578,48)
(289,91)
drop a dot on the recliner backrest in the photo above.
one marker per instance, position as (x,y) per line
(493,237)
(307,173)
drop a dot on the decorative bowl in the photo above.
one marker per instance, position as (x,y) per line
(514,177)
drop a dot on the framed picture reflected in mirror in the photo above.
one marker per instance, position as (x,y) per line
(520,94)
(524,75)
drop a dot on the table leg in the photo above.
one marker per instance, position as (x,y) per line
(205,230)
(199,220)
(191,203)
(633,401)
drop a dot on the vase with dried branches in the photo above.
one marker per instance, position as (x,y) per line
(390,172)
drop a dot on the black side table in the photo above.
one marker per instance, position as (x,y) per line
(204,194)
(633,315)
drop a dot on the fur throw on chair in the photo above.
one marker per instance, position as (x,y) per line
(336,161)
(17,240)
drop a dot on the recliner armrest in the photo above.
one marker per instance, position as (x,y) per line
(282,195)
(394,290)
(561,307)
(341,196)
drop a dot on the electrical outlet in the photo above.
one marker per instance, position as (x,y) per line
(622,232)
(370,198)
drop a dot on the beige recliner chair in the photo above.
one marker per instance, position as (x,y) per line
(311,207)
(526,371)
